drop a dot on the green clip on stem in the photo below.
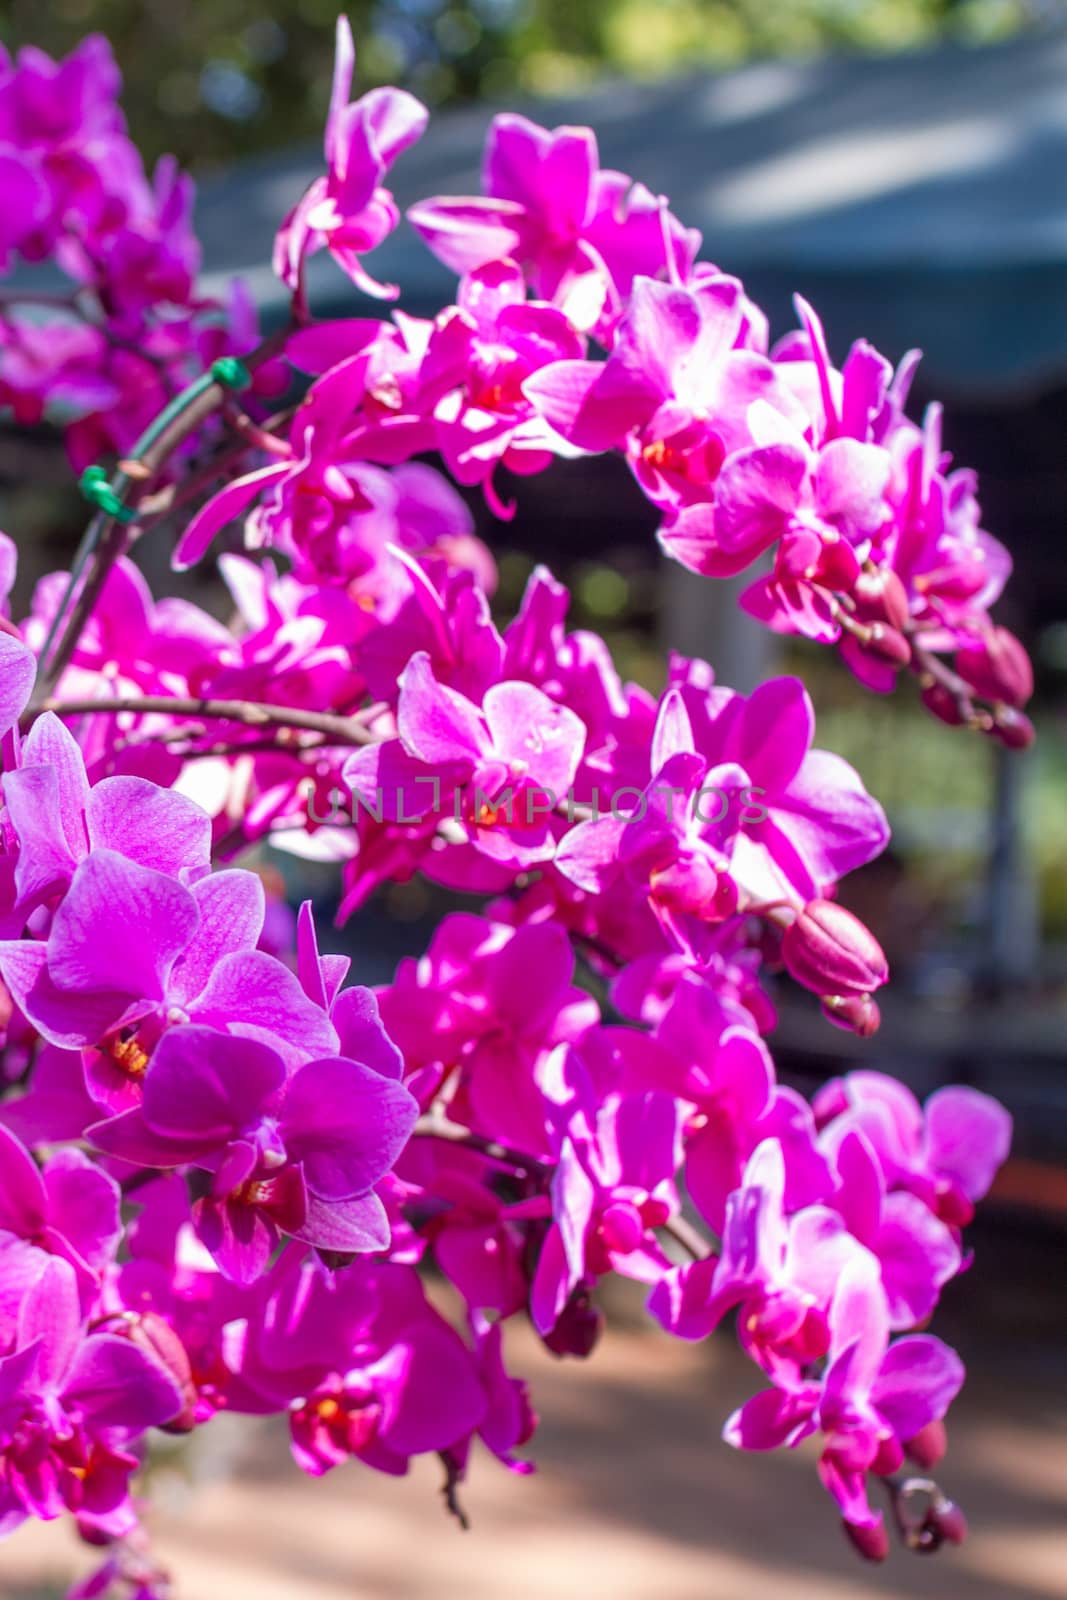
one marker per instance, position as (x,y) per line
(107,494)
(95,486)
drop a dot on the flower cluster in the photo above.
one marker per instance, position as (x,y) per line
(133,329)
(221,1166)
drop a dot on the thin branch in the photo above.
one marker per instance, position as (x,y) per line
(690,1238)
(433,1126)
(335,729)
(106,538)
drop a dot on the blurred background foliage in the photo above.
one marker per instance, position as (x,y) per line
(210,80)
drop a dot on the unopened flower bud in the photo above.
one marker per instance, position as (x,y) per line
(939,1523)
(154,1336)
(578,1329)
(1013,728)
(944,705)
(928,1445)
(946,1521)
(830,951)
(858,1013)
(881,597)
(997,667)
(888,644)
(870,1539)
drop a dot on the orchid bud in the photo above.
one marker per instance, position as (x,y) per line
(940,1521)
(944,705)
(578,1329)
(858,1013)
(870,1539)
(946,1521)
(881,597)
(928,1445)
(155,1338)
(888,644)
(997,667)
(830,951)
(1013,728)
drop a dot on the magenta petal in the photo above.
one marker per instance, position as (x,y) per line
(859,1329)
(148,824)
(968,1136)
(116,1385)
(681,1300)
(232,907)
(918,1255)
(468,234)
(23,1199)
(18,667)
(346,1125)
(393,785)
(919,1379)
(56,1106)
(394,120)
(589,854)
(641,1140)
(50,743)
(542,948)
(830,819)
(253,995)
(528,728)
(45,861)
(72,1021)
(713,1168)
(552,1283)
(769,1420)
(574,1200)
(437,724)
(201,1084)
(83,1206)
(850,481)
(440,1400)
(130,1138)
(363,1038)
(861,1185)
(483,1266)
(359,1225)
(221,509)
(240,1237)
(575,400)
(51,1313)
(773,733)
(119,928)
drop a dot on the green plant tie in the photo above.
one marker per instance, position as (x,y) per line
(97,488)
(231,373)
